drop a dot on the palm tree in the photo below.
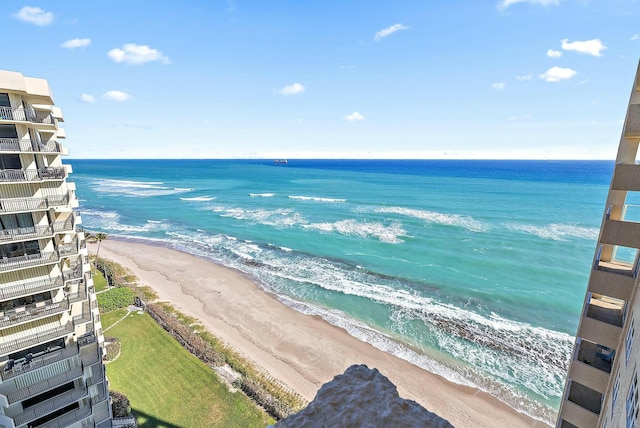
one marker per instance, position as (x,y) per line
(99,237)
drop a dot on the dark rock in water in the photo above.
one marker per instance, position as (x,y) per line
(362,397)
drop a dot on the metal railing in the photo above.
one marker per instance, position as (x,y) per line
(23,115)
(49,406)
(31,287)
(40,361)
(68,418)
(28,260)
(28,146)
(48,173)
(33,339)
(32,204)
(31,312)
(36,231)
(45,385)
(86,339)
(70,249)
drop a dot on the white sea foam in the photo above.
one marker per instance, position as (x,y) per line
(282,217)
(130,188)
(199,199)
(437,218)
(362,229)
(317,199)
(556,231)
(261,195)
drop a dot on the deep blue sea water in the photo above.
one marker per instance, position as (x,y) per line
(475,270)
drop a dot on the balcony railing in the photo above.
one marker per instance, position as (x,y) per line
(39,361)
(16,175)
(68,418)
(87,339)
(37,231)
(66,250)
(30,287)
(28,146)
(598,356)
(45,385)
(63,226)
(22,115)
(28,260)
(33,339)
(49,406)
(75,272)
(31,312)
(32,204)
(83,317)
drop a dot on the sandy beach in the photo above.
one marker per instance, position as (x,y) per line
(302,351)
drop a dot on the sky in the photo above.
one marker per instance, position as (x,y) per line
(444,79)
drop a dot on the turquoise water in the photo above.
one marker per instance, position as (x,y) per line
(475,270)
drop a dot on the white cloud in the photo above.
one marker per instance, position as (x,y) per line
(116,96)
(499,86)
(506,3)
(76,43)
(294,89)
(634,37)
(554,54)
(137,54)
(354,117)
(87,98)
(591,47)
(525,77)
(556,74)
(389,31)
(34,15)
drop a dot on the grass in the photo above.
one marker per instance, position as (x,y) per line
(108,319)
(169,387)
(99,282)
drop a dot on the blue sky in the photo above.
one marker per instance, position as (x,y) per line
(536,79)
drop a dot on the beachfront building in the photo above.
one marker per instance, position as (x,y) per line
(602,383)
(51,370)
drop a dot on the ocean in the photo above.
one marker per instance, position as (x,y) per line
(475,270)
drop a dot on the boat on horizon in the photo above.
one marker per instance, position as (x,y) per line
(281,161)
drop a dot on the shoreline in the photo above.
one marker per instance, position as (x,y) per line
(300,350)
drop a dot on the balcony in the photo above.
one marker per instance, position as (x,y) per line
(87,339)
(49,406)
(63,226)
(83,317)
(20,233)
(32,204)
(70,249)
(21,115)
(68,418)
(28,175)
(73,273)
(33,339)
(599,356)
(28,146)
(31,312)
(605,309)
(585,397)
(30,287)
(45,385)
(39,360)
(28,260)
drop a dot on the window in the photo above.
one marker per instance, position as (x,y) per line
(632,402)
(10,162)
(4,100)
(614,395)
(8,131)
(629,339)
(15,221)
(17,249)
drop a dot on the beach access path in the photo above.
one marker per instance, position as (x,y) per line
(302,351)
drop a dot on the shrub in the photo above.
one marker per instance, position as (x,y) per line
(116,298)
(113,348)
(120,405)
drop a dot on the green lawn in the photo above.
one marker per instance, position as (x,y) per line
(169,387)
(98,281)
